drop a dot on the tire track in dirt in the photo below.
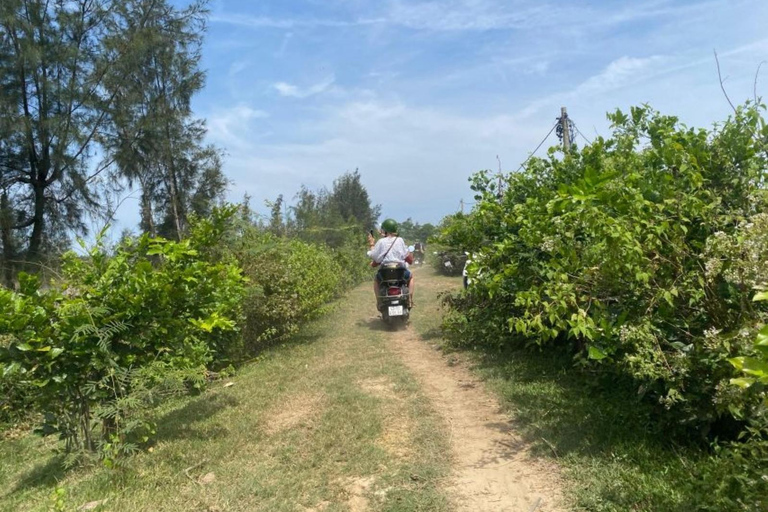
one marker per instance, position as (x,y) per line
(493,466)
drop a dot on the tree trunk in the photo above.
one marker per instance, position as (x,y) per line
(147,221)
(6,237)
(175,201)
(38,225)
(173,184)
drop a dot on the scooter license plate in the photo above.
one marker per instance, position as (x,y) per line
(395,310)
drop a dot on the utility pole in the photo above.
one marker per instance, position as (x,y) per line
(566,131)
(461,205)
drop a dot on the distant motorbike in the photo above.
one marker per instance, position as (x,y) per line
(418,255)
(393,294)
(452,262)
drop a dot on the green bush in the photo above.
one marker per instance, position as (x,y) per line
(639,252)
(15,400)
(120,330)
(291,281)
(355,265)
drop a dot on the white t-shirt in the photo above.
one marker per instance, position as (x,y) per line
(396,254)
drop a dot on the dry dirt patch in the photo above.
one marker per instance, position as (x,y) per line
(397,427)
(294,411)
(356,489)
(396,437)
(380,387)
(493,466)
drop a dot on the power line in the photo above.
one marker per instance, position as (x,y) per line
(582,135)
(540,144)
(463,203)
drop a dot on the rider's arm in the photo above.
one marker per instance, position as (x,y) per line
(407,256)
(376,253)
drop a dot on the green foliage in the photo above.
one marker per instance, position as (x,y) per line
(457,231)
(456,236)
(735,479)
(291,281)
(88,84)
(335,217)
(638,252)
(15,399)
(447,260)
(156,142)
(52,58)
(120,331)
(755,368)
(355,265)
(638,255)
(413,232)
(297,263)
(350,201)
(57,501)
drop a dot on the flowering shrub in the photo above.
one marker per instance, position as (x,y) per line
(639,252)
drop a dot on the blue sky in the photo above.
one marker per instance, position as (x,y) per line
(419,94)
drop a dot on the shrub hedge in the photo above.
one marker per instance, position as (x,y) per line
(120,329)
(641,254)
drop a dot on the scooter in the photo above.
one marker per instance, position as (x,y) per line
(393,297)
(418,256)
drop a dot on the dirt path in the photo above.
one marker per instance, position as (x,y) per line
(493,469)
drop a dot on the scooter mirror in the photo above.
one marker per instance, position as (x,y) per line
(411,248)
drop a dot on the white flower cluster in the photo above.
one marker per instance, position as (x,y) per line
(742,257)
(712,341)
(711,333)
(624,333)
(548,244)
(713,267)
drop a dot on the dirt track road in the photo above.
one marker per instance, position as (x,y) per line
(492,466)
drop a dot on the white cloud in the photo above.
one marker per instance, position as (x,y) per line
(294,91)
(481,15)
(226,127)
(286,89)
(433,113)
(621,72)
(261,22)
(237,67)
(411,158)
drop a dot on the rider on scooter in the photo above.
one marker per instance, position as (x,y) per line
(390,249)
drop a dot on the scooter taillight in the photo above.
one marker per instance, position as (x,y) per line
(393,290)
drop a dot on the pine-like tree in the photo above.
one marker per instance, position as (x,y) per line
(52,68)
(157,143)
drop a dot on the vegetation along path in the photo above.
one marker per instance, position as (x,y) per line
(347,416)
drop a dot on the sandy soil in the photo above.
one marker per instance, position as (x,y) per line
(493,468)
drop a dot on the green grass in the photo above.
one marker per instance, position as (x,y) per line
(324,422)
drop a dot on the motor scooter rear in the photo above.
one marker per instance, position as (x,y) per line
(393,296)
